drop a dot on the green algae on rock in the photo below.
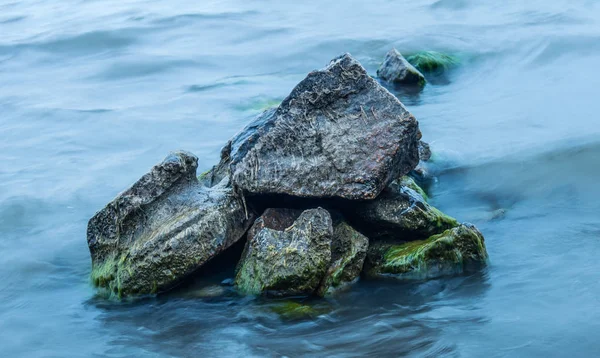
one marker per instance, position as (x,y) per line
(454,251)
(432,62)
(294,311)
(348,252)
(162,229)
(287,253)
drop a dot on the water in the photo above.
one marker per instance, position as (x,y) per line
(92,94)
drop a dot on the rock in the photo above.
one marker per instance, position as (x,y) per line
(424,151)
(400,212)
(433,62)
(339,134)
(287,253)
(348,252)
(396,69)
(163,228)
(211,291)
(454,251)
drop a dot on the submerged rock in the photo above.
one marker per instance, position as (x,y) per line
(400,212)
(454,251)
(396,69)
(292,311)
(338,134)
(424,151)
(287,253)
(348,252)
(433,62)
(162,229)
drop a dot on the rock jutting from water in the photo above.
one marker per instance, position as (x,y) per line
(162,229)
(338,134)
(432,62)
(396,69)
(325,173)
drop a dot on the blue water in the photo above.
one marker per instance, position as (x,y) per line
(93,93)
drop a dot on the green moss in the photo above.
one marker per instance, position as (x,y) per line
(107,275)
(204,174)
(291,310)
(443,221)
(433,62)
(445,253)
(259,104)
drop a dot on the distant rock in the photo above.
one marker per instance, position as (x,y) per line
(162,229)
(400,212)
(338,134)
(396,69)
(348,252)
(454,251)
(287,253)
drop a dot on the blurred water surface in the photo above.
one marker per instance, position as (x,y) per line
(93,93)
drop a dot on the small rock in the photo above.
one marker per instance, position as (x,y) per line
(396,69)
(454,251)
(287,253)
(400,212)
(348,252)
(424,151)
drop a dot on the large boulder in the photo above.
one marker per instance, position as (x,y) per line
(338,134)
(287,253)
(163,228)
(400,212)
(454,251)
(396,69)
(348,252)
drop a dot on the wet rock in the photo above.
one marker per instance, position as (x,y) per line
(432,62)
(162,228)
(338,134)
(400,212)
(287,253)
(348,252)
(424,151)
(454,251)
(396,69)
(294,311)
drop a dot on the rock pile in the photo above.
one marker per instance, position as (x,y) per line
(317,187)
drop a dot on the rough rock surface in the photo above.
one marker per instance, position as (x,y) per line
(348,252)
(338,134)
(400,212)
(287,253)
(424,151)
(454,251)
(162,229)
(396,69)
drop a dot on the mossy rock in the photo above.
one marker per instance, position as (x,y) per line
(432,62)
(287,253)
(452,252)
(293,311)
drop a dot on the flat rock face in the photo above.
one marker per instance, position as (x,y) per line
(454,251)
(287,253)
(396,69)
(348,252)
(401,212)
(162,229)
(338,134)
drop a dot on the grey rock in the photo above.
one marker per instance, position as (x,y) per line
(454,251)
(400,212)
(396,69)
(162,229)
(287,253)
(338,134)
(424,151)
(348,252)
